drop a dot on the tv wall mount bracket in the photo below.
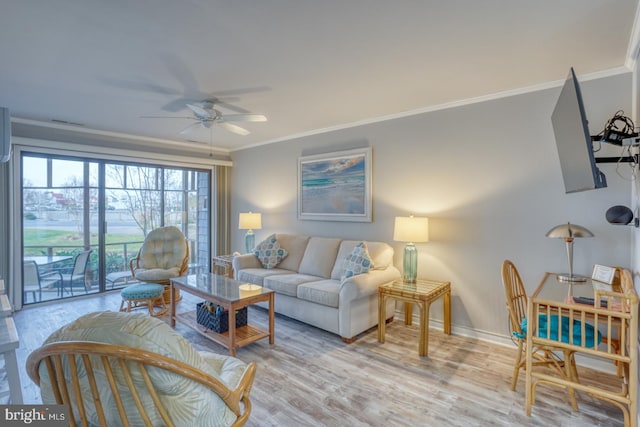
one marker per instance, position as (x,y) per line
(628,141)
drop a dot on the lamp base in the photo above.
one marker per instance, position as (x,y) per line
(249,242)
(410,264)
(571,278)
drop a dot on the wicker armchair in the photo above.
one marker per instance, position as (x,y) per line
(163,256)
(110,383)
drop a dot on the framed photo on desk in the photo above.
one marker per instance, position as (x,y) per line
(602,273)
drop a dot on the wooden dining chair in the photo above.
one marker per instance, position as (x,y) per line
(516,303)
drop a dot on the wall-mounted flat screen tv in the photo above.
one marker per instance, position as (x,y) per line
(573,140)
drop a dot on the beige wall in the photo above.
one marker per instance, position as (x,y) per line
(486,174)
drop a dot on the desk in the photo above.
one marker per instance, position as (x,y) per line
(423,293)
(552,297)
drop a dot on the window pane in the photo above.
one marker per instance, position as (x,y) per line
(114,176)
(34,172)
(67,173)
(139,177)
(173,179)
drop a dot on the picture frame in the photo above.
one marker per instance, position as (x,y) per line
(335,186)
(603,274)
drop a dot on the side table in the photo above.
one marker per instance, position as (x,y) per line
(222,263)
(423,293)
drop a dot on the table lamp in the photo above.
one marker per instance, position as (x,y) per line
(250,221)
(568,232)
(411,230)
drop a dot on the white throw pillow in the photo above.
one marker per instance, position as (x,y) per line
(357,262)
(269,252)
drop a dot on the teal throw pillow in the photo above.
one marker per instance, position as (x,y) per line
(269,252)
(357,262)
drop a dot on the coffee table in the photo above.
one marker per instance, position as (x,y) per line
(229,294)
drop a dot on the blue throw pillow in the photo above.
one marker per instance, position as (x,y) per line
(357,262)
(269,252)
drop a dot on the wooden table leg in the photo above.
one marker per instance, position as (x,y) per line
(446,301)
(232,330)
(408,313)
(172,301)
(272,330)
(423,346)
(382,313)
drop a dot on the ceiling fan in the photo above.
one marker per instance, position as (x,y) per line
(205,115)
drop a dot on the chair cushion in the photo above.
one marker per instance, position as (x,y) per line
(142,291)
(548,328)
(157,274)
(269,252)
(188,402)
(164,248)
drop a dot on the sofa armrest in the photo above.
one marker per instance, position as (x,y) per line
(241,262)
(366,284)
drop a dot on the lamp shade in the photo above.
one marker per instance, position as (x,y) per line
(568,231)
(250,221)
(411,229)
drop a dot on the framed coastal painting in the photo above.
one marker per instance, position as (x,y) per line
(335,186)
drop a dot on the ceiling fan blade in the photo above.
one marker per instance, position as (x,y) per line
(200,112)
(188,128)
(234,128)
(245,118)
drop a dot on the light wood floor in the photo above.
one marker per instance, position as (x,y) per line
(311,378)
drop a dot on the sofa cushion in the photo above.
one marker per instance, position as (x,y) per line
(324,292)
(295,244)
(257,275)
(357,262)
(269,252)
(320,256)
(381,255)
(287,284)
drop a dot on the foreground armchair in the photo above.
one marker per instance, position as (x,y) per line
(116,368)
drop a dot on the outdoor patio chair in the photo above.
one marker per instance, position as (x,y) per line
(77,277)
(36,283)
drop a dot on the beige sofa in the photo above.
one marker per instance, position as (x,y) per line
(308,283)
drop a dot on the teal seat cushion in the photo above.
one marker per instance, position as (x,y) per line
(548,328)
(142,291)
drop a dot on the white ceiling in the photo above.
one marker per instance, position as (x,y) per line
(307,65)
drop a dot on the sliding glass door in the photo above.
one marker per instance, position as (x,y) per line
(84,219)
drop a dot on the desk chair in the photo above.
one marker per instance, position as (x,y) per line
(517,308)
